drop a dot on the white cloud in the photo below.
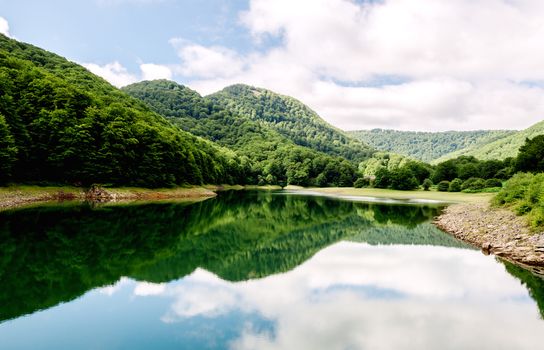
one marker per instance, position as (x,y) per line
(207,62)
(151,71)
(147,288)
(463,62)
(113,72)
(114,288)
(4,27)
(116,74)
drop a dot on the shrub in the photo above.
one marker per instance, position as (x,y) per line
(493,183)
(514,189)
(361,182)
(524,192)
(473,184)
(455,185)
(427,183)
(443,186)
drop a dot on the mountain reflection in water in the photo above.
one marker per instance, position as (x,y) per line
(239,271)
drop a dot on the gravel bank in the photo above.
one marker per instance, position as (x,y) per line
(496,231)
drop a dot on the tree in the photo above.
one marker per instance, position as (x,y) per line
(531,155)
(403,179)
(8,151)
(445,171)
(427,183)
(382,178)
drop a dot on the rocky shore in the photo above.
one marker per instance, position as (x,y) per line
(496,231)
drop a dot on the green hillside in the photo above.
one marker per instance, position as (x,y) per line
(274,158)
(427,146)
(501,148)
(292,119)
(59,123)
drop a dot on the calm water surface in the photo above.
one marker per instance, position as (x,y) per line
(255,271)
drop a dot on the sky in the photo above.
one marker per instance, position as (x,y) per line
(425,65)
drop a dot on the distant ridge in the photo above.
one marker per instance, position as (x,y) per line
(428,146)
(500,148)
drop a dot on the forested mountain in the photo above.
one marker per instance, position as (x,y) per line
(292,119)
(275,158)
(60,123)
(501,148)
(427,146)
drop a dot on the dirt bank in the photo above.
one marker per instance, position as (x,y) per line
(16,196)
(496,231)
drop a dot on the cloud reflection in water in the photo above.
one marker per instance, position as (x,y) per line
(358,296)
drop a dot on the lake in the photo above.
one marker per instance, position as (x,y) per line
(255,270)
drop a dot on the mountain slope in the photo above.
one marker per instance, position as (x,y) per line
(292,119)
(274,158)
(501,148)
(67,125)
(426,146)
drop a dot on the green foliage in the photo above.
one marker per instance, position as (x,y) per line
(390,162)
(504,147)
(455,185)
(443,186)
(489,183)
(403,179)
(531,155)
(470,167)
(70,126)
(427,183)
(361,182)
(270,157)
(524,192)
(473,184)
(382,178)
(292,119)
(8,151)
(426,146)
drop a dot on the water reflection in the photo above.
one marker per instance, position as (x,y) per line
(253,271)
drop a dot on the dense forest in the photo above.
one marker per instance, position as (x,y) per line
(61,124)
(427,146)
(275,158)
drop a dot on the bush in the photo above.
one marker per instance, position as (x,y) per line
(455,185)
(473,184)
(524,193)
(361,182)
(427,183)
(443,186)
(489,183)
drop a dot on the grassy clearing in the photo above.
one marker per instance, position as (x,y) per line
(450,197)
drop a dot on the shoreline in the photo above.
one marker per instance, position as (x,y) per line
(496,231)
(414,196)
(18,196)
